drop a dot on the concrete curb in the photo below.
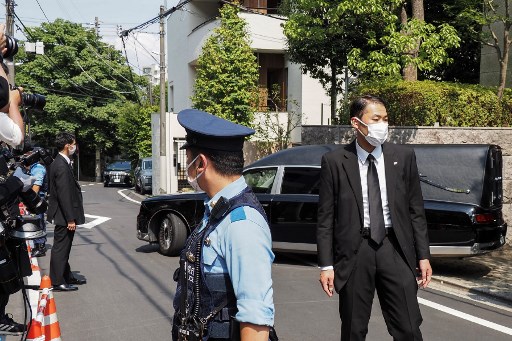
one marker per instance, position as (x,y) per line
(453,284)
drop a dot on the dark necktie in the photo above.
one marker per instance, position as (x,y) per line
(377,228)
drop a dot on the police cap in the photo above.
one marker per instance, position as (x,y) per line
(205,130)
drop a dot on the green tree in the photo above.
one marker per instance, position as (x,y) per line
(136,142)
(366,35)
(86,82)
(467,55)
(227,71)
(496,19)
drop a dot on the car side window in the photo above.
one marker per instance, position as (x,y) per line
(260,180)
(300,180)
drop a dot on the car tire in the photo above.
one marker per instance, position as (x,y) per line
(172,235)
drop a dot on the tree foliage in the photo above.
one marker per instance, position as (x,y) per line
(424,103)
(325,35)
(467,55)
(86,82)
(274,128)
(137,142)
(496,18)
(227,71)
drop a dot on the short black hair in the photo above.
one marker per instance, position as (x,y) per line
(62,139)
(225,163)
(360,103)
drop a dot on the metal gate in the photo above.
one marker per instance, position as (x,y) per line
(181,166)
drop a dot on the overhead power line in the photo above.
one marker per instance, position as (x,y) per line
(155,19)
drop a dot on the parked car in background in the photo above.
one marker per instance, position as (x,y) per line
(143,174)
(461,185)
(118,173)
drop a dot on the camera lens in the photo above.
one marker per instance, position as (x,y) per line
(11,45)
(34,101)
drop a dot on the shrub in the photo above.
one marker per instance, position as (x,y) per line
(423,103)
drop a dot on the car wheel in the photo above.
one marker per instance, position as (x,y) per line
(172,236)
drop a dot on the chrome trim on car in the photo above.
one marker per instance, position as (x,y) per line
(464,251)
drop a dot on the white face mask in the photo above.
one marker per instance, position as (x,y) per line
(377,133)
(193,182)
(72,150)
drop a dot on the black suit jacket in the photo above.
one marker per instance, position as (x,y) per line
(65,201)
(340,208)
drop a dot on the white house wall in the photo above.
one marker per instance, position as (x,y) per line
(187,31)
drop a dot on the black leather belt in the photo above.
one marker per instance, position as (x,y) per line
(365,232)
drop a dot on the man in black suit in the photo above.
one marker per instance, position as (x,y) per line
(372,231)
(65,210)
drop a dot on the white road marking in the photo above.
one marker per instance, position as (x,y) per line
(465,316)
(127,197)
(97,221)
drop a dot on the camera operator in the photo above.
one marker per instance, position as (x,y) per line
(11,122)
(12,133)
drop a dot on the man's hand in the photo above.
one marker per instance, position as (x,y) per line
(327,281)
(425,273)
(71,225)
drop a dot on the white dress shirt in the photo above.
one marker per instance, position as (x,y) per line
(362,156)
(65,158)
(10,133)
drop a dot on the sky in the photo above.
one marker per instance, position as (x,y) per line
(142,46)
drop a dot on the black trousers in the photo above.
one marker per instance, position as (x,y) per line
(4,299)
(60,271)
(385,270)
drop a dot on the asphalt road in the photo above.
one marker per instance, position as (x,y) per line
(129,291)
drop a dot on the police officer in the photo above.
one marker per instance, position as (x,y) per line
(224,287)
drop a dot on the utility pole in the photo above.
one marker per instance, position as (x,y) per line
(163,114)
(97,26)
(9,30)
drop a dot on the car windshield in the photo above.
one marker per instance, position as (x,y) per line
(147,164)
(119,165)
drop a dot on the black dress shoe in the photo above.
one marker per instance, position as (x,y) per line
(64,287)
(76,281)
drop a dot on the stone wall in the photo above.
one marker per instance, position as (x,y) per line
(432,135)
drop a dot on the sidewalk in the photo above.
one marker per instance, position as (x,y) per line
(489,274)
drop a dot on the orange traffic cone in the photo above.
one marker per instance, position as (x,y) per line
(35,331)
(33,264)
(50,320)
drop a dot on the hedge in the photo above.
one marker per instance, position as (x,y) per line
(423,103)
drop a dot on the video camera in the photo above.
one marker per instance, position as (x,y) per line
(17,226)
(14,228)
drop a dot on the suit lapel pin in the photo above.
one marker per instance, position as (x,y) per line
(395,163)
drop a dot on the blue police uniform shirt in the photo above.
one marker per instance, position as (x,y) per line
(38,171)
(243,248)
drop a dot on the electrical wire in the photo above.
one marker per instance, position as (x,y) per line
(131,75)
(101,86)
(100,58)
(157,18)
(67,76)
(42,10)
(149,53)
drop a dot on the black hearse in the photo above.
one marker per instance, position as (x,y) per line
(461,184)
